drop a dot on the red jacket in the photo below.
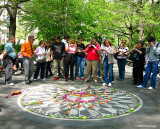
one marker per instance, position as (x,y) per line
(92,53)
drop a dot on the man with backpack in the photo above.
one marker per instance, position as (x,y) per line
(153,49)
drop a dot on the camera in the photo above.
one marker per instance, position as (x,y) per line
(91,45)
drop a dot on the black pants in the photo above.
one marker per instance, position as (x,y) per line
(69,65)
(48,68)
(40,66)
(138,72)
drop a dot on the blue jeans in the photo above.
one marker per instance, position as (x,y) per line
(151,66)
(80,62)
(121,67)
(40,66)
(107,67)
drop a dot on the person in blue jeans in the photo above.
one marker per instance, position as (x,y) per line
(153,49)
(123,52)
(108,60)
(80,59)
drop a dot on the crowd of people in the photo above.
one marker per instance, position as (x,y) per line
(66,54)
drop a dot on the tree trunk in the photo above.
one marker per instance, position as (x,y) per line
(141,30)
(65,17)
(140,26)
(12,26)
(130,36)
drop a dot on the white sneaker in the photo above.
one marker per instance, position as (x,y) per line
(17,72)
(109,84)
(140,86)
(35,79)
(104,84)
(44,79)
(10,84)
(150,88)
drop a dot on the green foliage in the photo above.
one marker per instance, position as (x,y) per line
(1,48)
(17,48)
(93,18)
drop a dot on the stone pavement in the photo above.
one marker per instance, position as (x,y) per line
(147,117)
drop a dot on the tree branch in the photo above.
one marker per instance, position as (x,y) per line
(5,6)
(1,11)
(118,31)
(23,10)
(22,1)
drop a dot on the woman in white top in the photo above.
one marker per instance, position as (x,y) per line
(41,59)
(48,58)
(108,61)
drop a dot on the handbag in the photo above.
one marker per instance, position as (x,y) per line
(131,56)
(115,56)
(42,59)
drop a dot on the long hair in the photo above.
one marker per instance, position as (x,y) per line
(104,43)
(41,42)
(93,40)
(71,41)
(48,41)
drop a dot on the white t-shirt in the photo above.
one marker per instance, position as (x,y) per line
(65,42)
(106,48)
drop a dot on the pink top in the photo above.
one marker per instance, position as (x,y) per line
(72,49)
(20,55)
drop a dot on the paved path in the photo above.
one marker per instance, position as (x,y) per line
(147,117)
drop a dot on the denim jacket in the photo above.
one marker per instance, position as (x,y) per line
(153,52)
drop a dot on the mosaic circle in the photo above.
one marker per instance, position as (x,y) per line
(78,102)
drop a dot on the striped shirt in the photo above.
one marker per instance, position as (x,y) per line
(122,55)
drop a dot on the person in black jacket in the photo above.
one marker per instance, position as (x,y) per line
(138,62)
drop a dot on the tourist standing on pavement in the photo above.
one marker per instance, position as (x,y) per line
(9,57)
(41,60)
(48,58)
(19,64)
(80,59)
(65,41)
(100,72)
(138,62)
(123,52)
(70,59)
(108,61)
(57,55)
(27,50)
(92,59)
(153,49)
